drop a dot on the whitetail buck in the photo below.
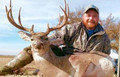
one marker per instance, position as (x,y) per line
(50,65)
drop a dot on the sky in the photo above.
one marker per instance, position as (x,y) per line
(40,13)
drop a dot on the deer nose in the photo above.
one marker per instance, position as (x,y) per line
(38,44)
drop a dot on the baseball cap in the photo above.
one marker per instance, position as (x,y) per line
(91,7)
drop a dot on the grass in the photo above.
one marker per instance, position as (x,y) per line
(5,59)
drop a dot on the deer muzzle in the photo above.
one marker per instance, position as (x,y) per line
(37,44)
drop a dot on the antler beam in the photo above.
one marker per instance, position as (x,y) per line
(64,21)
(11,20)
(19,26)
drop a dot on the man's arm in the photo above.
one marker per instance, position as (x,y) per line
(57,38)
(107,46)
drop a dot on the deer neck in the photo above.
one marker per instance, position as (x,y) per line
(43,54)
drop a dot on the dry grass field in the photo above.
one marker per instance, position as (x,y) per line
(5,59)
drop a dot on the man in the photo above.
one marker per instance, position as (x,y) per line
(86,36)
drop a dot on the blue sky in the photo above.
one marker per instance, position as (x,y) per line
(39,13)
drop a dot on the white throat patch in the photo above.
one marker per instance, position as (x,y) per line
(37,57)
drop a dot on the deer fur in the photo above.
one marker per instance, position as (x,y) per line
(49,64)
(77,65)
(92,65)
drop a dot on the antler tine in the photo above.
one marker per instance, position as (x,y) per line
(19,18)
(65,19)
(11,9)
(11,20)
(31,30)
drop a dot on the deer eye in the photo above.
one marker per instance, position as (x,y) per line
(32,39)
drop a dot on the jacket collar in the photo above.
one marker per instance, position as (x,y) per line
(98,28)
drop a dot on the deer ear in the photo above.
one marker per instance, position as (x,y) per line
(25,36)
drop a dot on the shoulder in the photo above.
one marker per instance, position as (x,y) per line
(69,28)
(73,26)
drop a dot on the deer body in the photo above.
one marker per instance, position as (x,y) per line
(92,65)
(50,65)
(77,65)
(53,66)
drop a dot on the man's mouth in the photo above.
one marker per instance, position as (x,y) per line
(91,22)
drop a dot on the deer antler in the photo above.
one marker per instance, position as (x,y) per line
(64,21)
(11,20)
(19,26)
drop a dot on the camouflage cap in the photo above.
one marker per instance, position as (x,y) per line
(91,7)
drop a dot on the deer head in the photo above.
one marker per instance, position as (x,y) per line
(39,40)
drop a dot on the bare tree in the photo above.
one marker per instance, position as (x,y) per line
(111,26)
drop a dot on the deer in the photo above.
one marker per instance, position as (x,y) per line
(50,65)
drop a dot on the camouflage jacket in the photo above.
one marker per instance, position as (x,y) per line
(76,36)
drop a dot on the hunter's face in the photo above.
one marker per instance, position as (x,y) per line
(90,19)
